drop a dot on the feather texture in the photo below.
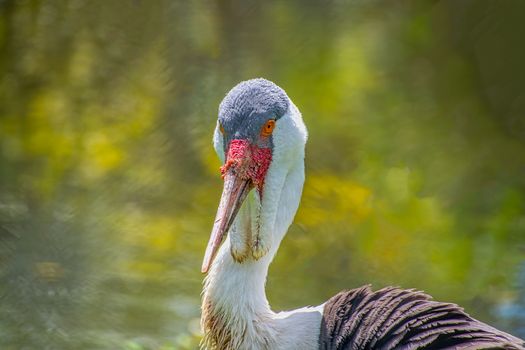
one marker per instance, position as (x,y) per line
(393,318)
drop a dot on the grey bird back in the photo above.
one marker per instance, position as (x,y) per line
(393,318)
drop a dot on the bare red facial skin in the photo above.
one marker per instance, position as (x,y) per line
(249,162)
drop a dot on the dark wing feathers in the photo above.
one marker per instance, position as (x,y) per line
(394,318)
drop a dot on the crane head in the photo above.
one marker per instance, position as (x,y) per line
(252,136)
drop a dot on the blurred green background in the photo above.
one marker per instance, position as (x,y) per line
(109,184)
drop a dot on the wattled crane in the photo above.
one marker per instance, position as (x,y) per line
(260,138)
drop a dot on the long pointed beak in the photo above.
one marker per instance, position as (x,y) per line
(234,192)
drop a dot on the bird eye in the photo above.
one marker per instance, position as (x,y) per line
(221,128)
(268,127)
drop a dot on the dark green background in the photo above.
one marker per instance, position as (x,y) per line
(109,184)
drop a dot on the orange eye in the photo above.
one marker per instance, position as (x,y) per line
(221,128)
(268,127)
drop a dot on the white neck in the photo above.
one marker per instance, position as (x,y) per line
(235,311)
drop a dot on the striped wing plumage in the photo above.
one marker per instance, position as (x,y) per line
(394,318)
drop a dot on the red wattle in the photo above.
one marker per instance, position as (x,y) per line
(248,161)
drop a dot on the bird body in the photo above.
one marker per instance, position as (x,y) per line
(260,138)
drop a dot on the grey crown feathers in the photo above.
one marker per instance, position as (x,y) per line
(248,106)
